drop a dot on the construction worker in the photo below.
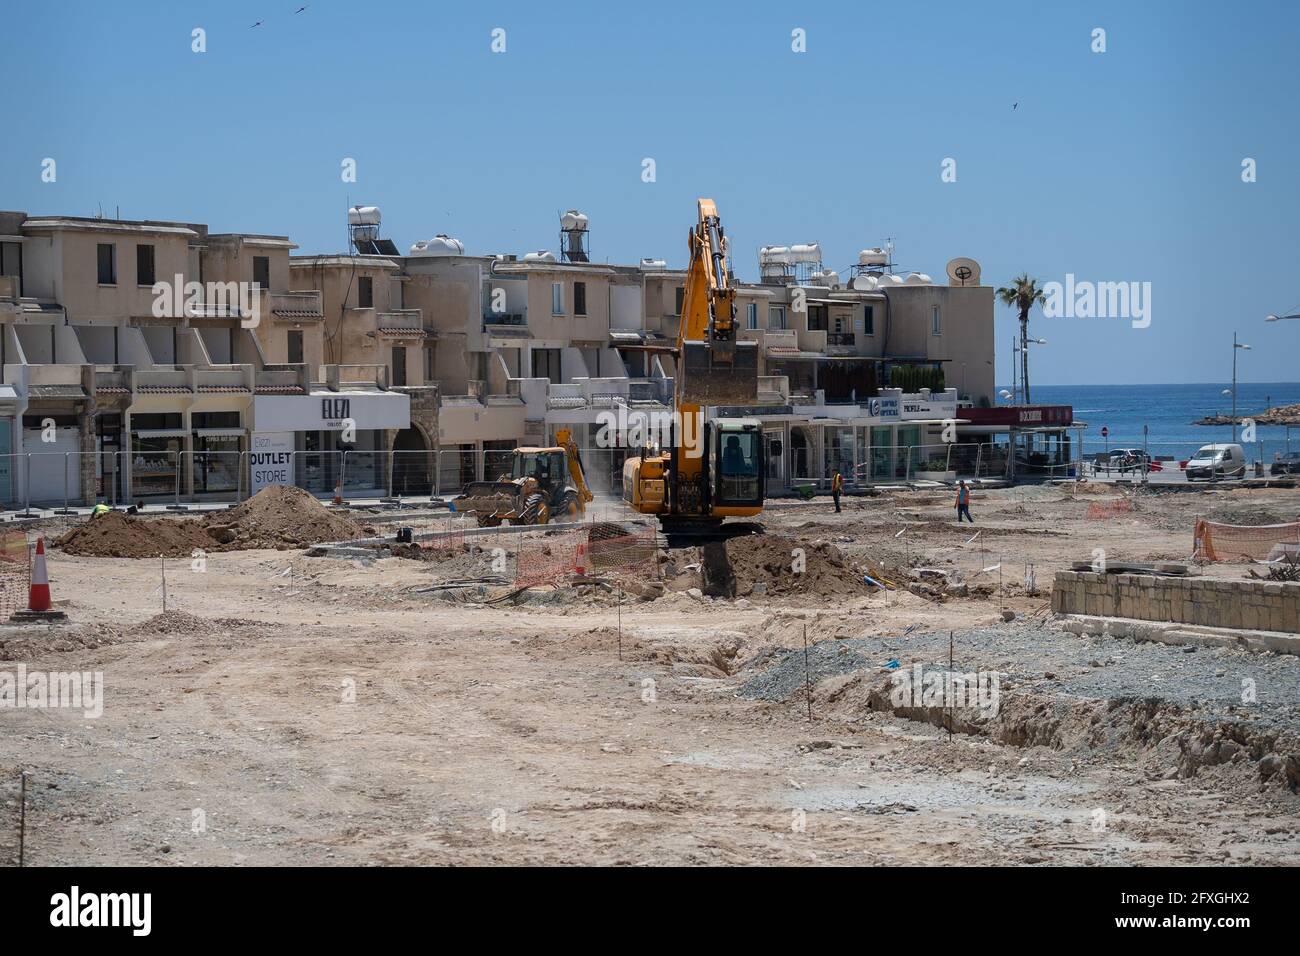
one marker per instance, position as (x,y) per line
(837,485)
(100,510)
(963,502)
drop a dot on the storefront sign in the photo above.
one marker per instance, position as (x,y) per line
(270,460)
(329,411)
(885,406)
(920,408)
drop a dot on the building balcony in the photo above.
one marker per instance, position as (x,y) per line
(294,306)
(514,319)
(10,294)
(342,378)
(773,390)
(401,323)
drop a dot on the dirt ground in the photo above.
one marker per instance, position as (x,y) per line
(291,709)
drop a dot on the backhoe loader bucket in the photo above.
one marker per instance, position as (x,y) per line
(706,380)
(486,497)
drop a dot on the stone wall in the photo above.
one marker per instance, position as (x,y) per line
(1249,605)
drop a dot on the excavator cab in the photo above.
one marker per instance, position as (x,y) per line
(737,454)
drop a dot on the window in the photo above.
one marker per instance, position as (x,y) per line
(776,317)
(678,300)
(144,265)
(262,271)
(294,347)
(935,327)
(399,365)
(557,298)
(365,293)
(751,315)
(546,364)
(106,256)
(868,320)
(816,318)
(428,364)
(579,298)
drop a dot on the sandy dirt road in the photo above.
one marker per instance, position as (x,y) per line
(330,715)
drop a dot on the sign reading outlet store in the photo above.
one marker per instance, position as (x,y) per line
(270,460)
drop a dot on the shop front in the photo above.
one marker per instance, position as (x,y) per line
(334,441)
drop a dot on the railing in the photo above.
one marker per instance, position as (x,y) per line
(505,318)
(841,338)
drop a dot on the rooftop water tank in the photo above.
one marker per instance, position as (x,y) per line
(364,216)
(573,220)
(439,245)
(541,255)
(866,283)
(653,265)
(873,257)
(918,278)
(806,252)
(826,277)
(888,279)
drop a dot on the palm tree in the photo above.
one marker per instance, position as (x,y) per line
(1022,294)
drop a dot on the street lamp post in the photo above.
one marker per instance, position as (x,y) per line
(1016,349)
(1235,346)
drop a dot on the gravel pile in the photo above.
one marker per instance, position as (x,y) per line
(786,677)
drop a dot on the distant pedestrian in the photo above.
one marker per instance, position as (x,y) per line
(963,502)
(837,485)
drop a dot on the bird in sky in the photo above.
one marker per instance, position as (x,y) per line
(257,24)
(302,8)
(1014,105)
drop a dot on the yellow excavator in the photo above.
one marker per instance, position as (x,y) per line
(712,470)
(545,485)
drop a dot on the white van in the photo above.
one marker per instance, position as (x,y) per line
(1217,461)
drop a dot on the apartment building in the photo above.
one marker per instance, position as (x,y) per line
(380,371)
(134,366)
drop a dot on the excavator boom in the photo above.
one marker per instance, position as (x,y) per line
(714,367)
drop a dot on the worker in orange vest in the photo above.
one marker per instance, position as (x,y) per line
(963,502)
(837,485)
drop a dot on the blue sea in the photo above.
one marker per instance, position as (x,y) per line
(1168,412)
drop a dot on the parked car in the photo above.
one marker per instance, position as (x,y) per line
(1217,461)
(1286,464)
(1129,459)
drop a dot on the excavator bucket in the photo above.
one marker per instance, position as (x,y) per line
(709,380)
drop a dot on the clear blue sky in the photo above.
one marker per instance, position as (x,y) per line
(1117,166)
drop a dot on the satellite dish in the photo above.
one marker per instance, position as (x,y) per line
(963,271)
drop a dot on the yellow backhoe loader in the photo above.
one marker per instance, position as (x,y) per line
(545,485)
(712,470)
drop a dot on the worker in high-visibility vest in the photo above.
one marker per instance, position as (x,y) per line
(99,510)
(837,485)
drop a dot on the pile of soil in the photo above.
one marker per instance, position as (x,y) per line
(785,566)
(279,517)
(188,625)
(119,535)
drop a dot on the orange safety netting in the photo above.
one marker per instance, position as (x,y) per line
(594,549)
(15,572)
(1213,541)
(1109,509)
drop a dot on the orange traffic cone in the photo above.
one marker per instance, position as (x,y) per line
(39,606)
(580,559)
(38,594)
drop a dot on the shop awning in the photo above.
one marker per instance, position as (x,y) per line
(220,432)
(159,432)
